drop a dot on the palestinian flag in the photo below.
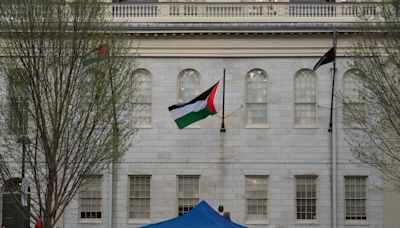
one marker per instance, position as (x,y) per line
(327,58)
(96,55)
(196,109)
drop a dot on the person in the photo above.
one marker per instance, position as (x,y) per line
(221,210)
(39,223)
(226,215)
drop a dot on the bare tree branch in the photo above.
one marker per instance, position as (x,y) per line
(377,140)
(74,119)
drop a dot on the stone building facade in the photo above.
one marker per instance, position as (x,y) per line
(273,167)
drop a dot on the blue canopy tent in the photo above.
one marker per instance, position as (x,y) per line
(202,216)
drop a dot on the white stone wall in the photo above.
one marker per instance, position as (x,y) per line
(280,151)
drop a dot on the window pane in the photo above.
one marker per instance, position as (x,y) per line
(17,104)
(256,87)
(356,197)
(305,114)
(188,193)
(144,114)
(354,109)
(256,113)
(306,84)
(256,197)
(256,104)
(90,198)
(143,98)
(305,98)
(139,197)
(354,114)
(351,84)
(188,84)
(143,82)
(306,197)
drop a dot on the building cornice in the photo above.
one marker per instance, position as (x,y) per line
(217,28)
(240,45)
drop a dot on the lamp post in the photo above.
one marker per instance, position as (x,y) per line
(24,140)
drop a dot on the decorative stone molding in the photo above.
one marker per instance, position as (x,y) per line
(241,12)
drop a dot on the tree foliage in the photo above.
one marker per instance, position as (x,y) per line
(72,119)
(376,139)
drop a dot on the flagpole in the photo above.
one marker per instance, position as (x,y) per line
(333,80)
(222,130)
(332,131)
(223,105)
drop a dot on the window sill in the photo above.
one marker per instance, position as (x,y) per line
(311,222)
(256,126)
(356,223)
(90,221)
(256,222)
(139,221)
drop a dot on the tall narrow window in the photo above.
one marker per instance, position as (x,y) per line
(188,85)
(188,193)
(356,197)
(90,198)
(139,197)
(306,198)
(354,109)
(256,99)
(305,99)
(17,104)
(143,98)
(256,198)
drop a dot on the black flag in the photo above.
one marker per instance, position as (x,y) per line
(327,58)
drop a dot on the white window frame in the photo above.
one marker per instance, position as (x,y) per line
(298,125)
(307,221)
(16,126)
(130,198)
(247,103)
(178,191)
(352,102)
(181,74)
(256,221)
(91,220)
(150,104)
(197,92)
(355,221)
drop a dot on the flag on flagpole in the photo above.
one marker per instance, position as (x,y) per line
(95,55)
(327,58)
(197,109)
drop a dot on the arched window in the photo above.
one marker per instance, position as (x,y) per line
(188,85)
(18,103)
(353,106)
(256,98)
(143,99)
(305,100)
